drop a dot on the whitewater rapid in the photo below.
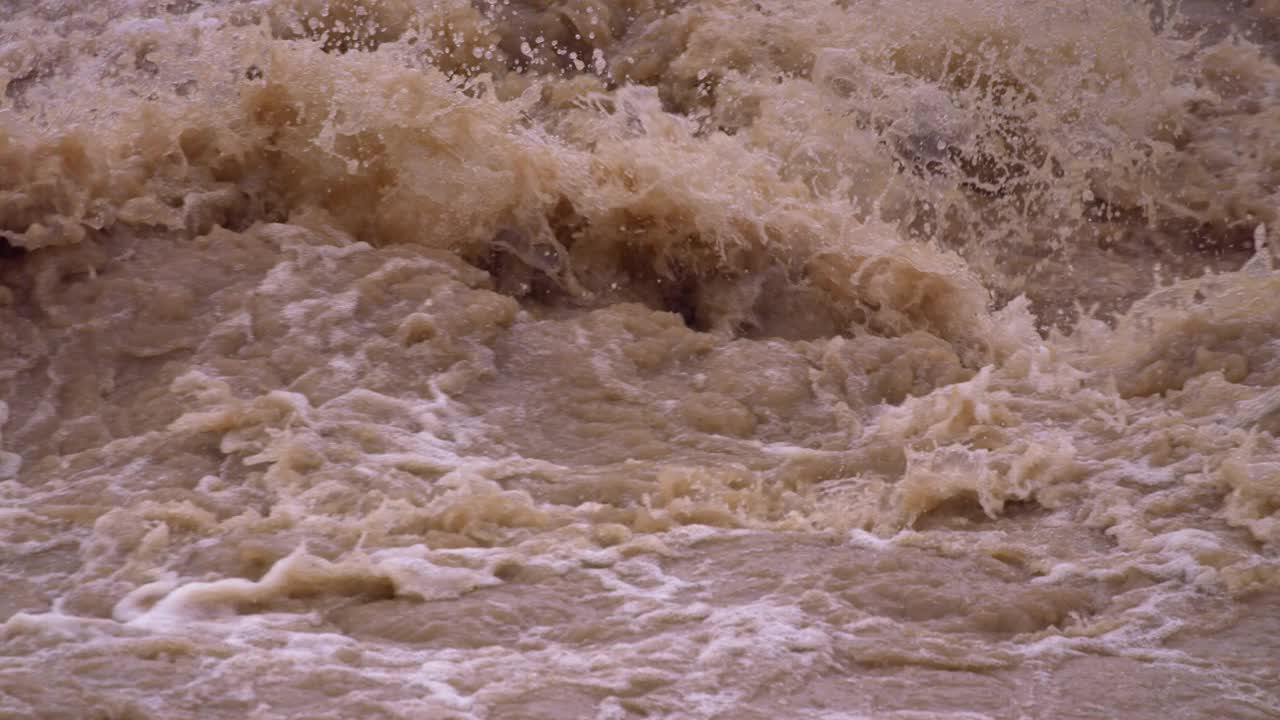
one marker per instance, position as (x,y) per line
(639,358)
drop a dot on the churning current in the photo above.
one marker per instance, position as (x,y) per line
(812,359)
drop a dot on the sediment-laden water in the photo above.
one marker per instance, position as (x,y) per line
(639,358)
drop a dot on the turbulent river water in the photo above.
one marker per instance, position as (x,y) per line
(615,359)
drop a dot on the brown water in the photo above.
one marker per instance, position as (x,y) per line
(639,358)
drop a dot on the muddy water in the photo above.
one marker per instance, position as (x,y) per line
(639,358)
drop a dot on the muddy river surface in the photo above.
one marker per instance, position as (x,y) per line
(813,359)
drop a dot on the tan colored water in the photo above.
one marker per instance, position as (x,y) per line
(639,358)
